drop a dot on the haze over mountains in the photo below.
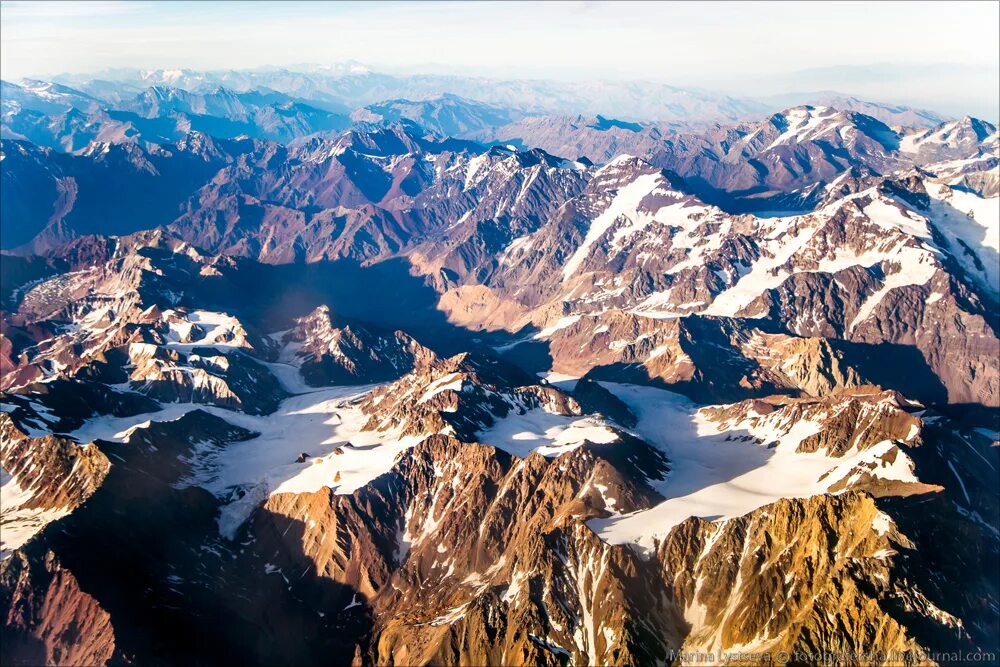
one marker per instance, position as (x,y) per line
(378,369)
(353,85)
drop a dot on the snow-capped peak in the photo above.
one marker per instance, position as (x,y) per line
(805,123)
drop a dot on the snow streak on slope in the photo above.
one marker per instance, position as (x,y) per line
(903,242)
(915,268)
(765,273)
(625,202)
(20,524)
(973,222)
(806,123)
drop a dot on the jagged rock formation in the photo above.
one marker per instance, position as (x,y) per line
(43,479)
(855,419)
(592,397)
(328,355)
(802,575)
(49,620)
(459,395)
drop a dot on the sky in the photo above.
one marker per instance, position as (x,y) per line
(944,56)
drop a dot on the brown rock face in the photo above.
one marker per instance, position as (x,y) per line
(339,539)
(708,359)
(329,355)
(60,473)
(486,573)
(853,419)
(459,395)
(805,572)
(48,619)
(811,365)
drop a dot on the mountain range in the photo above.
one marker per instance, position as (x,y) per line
(331,366)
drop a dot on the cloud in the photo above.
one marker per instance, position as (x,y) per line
(13,10)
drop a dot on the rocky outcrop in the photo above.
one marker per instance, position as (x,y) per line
(56,472)
(328,355)
(592,397)
(459,396)
(812,365)
(63,405)
(853,420)
(488,572)
(700,357)
(44,479)
(801,576)
(48,619)
(230,380)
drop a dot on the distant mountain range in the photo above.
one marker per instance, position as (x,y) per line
(352,85)
(174,140)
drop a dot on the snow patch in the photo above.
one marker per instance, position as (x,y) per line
(543,432)
(721,474)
